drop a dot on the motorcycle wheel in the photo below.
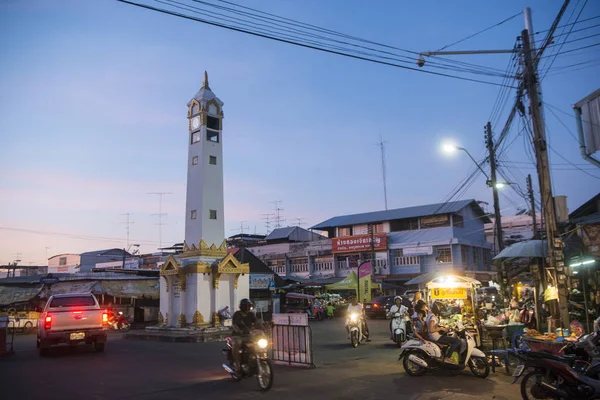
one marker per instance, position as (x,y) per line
(354,339)
(125,327)
(479,367)
(531,388)
(411,368)
(264,375)
(398,341)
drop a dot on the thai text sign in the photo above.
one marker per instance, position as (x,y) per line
(358,243)
(300,319)
(449,293)
(260,281)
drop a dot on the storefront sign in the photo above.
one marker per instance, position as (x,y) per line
(260,281)
(417,251)
(357,243)
(300,319)
(449,293)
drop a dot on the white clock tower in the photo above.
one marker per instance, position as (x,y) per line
(204,200)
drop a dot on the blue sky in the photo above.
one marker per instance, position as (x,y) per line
(94,116)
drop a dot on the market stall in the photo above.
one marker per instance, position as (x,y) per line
(456,294)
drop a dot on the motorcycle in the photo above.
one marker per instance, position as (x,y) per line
(354,324)
(419,357)
(120,323)
(575,375)
(399,325)
(254,360)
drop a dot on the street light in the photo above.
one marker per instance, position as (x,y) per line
(451,148)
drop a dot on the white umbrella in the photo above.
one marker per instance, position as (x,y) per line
(528,249)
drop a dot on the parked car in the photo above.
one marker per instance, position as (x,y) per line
(379,307)
(72,319)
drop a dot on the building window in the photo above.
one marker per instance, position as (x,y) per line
(345,231)
(62,261)
(435,221)
(487,257)
(193,214)
(195,137)
(212,214)
(407,224)
(212,160)
(377,228)
(458,221)
(195,160)
(212,129)
(444,255)
(476,256)
(464,254)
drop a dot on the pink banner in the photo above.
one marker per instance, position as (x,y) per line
(364,269)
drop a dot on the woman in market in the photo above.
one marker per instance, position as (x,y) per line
(435,334)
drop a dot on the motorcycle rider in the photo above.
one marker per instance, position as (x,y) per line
(358,309)
(418,320)
(434,331)
(243,321)
(396,308)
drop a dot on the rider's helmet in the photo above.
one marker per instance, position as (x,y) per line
(397,298)
(245,305)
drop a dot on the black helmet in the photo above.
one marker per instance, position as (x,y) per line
(245,305)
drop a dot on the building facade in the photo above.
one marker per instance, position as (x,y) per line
(64,263)
(406,242)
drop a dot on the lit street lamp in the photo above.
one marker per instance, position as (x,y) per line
(451,148)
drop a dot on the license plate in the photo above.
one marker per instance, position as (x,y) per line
(77,336)
(518,373)
(368,306)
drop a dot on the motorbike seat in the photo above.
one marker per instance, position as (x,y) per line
(548,355)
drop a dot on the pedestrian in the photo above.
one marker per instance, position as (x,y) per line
(330,310)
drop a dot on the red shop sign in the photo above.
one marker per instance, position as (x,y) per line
(348,244)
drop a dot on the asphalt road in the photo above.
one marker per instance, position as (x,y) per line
(131,369)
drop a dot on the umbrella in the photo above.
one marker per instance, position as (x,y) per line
(430,276)
(527,249)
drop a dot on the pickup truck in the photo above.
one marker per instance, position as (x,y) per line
(72,319)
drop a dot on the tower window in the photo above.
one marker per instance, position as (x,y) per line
(194,214)
(195,137)
(212,214)
(213,126)
(212,160)
(195,160)
(213,123)
(213,136)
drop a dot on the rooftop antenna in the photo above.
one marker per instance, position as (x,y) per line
(127,223)
(268,221)
(160,214)
(278,218)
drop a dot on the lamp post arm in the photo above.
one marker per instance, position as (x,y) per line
(476,163)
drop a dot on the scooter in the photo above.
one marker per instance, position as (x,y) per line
(399,324)
(419,357)
(354,325)
(254,360)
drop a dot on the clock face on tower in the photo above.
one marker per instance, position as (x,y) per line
(195,122)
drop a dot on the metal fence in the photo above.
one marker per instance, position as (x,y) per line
(292,345)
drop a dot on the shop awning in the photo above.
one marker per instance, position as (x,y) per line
(527,249)
(137,289)
(10,295)
(431,276)
(348,283)
(70,287)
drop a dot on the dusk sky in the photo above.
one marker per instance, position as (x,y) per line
(93,98)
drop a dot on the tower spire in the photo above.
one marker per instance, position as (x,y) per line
(205,82)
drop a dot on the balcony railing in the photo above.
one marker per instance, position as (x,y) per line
(407,260)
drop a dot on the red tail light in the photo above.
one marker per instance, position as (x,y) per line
(375,305)
(77,312)
(48,322)
(104,318)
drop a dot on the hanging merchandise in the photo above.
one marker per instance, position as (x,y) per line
(551,293)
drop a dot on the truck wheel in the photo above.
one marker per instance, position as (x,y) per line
(99,347)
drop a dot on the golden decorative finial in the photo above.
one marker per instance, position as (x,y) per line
(205,82)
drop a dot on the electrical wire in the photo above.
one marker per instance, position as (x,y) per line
(481,31)
(310,46)
(574,23)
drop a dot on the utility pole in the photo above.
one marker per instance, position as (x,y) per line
(383,169)
(160,214)
(127,223)
(555,256)
(493,183)
(372,247)
(532,205)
